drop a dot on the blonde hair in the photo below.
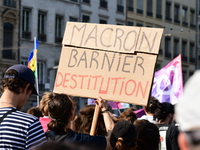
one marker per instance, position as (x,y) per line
(44,103)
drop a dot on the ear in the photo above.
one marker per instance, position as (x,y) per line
(26,88)
(182,141)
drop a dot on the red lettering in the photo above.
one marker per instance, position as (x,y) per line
(57,79)
(141,89)
(126,88)
(88,86)
(82,80)
(122,85)
(116,80)
(95,82)
(65,80)
(75,83)
(104,91)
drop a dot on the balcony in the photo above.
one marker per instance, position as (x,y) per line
(42,37)
(139,11)
(58,39)
(192,60)
(8,54)
(103,4)
(185,23)
(10,3)
(176,21)
(158,16)
(149,13)
(184,58)
(168,55)
(168,18)
(86,1)
(130,8)
(26,34)
(120,8)
(192,25)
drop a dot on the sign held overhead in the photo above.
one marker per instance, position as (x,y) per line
(115,62)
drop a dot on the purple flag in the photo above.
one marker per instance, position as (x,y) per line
(168,82)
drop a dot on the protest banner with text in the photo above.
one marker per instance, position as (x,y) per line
(115,62)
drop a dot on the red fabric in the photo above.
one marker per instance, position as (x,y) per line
(44,122)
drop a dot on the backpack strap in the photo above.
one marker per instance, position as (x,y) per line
(6,114)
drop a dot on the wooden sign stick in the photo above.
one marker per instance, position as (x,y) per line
(94,120)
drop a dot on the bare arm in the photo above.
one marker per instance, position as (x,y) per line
(107,119)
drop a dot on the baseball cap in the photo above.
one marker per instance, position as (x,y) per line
(125,130)
(24,73)
(188,108)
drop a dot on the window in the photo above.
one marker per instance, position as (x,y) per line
(120,7)
(42,26)
(85,18)
(192,53)
(176,47)
(184,50)
(167,47)
(184,75)
(103,3)
(58,29)
(192,18)
(73,19)
(184,16)
(8,41)
(86,1)
(102,21)
(140,6)
(159,9)
(168,11)
(130,5)
(74,0)
(10,3)
(26,23)
(149,7)
(130,23)
(176,13)
(41,73)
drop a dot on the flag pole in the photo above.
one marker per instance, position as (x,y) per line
(36,74)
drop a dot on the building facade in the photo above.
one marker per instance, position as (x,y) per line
(9,34)
(178,18)
(45,20)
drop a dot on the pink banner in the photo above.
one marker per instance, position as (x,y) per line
(168,82)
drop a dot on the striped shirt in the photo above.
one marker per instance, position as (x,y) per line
(20,130)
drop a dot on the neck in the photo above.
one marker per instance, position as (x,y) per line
(8,99)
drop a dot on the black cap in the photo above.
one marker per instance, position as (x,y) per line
(125,130)
(24,73)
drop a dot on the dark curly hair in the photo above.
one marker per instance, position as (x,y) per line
(128,115)
(60,109)
(163,110)
(152,105)
(83,121)
(14,84)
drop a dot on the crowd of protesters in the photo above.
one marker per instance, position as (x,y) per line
(54,124)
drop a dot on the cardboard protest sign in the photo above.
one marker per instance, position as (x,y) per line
(122,71)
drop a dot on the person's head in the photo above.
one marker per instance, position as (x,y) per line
(19,80)
(188,113)
(35,111)
(44,103)
(123,136)
(128,115)
(61,111)
(19,77)
(164,113)
(152,105)
(148,137)
(140,122)
(83,121)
